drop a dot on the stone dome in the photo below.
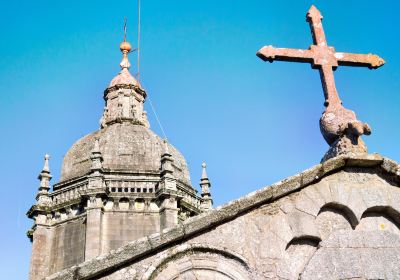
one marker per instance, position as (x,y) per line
(124,77)
(125,147)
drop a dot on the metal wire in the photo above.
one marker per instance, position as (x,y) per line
(157,119)
(138,47)
(138,77)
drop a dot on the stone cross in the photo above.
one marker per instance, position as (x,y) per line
(336,120)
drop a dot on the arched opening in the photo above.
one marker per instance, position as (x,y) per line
(124,203)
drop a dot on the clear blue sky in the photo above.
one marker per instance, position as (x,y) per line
(253,122)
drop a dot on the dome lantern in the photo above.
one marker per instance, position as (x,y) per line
(124,97)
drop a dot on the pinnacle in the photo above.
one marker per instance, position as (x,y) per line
(46,167)
(204,172)
(96,148)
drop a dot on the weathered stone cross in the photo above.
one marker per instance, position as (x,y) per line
(336,121)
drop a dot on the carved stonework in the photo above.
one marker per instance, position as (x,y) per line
(349,141)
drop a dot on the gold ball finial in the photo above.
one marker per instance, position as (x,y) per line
(125,46)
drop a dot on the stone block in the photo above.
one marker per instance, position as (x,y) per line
(312,174)
(306,204)
(373,196)
(391,166)
(280,226)
(286,186)
(333,164)
(365,161)
(302,225)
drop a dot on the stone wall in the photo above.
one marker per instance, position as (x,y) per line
(338,220)
(68,244)
(120,228)
(345,226)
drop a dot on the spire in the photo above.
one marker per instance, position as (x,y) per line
(44,177)
(204,172)
(206,201)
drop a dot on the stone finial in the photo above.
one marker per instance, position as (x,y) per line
(204,171)
(125,48)
(206,202)
(46,167)
(96,182)
(96,148)
(45,175)
(166,159)
(43,195)
(96,156)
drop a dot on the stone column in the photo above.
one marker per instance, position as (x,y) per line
(40,265)
(94,210)
(94,221)
(168,212)
(168,194)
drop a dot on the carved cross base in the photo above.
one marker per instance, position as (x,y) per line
(349,143)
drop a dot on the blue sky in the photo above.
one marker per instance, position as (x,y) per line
(254,123)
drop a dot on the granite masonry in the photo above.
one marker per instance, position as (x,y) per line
(337,220)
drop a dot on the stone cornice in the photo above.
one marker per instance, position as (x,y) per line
(110,175)
(124,86)
(195,225)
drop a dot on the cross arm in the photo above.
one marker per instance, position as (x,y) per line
(361,60)
(281,54)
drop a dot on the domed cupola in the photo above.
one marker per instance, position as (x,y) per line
(125,140)
(126,170)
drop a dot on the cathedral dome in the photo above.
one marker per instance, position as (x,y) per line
(125,147)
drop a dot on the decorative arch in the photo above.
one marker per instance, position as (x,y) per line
(386,212)
(304,240)
(343,210)
(195,259)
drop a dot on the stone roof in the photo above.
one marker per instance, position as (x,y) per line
(124,147)
(124,78)
(150,244)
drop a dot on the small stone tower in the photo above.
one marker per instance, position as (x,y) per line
(117,184)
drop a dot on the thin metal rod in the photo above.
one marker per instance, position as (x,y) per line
(125,21)
(138,48)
